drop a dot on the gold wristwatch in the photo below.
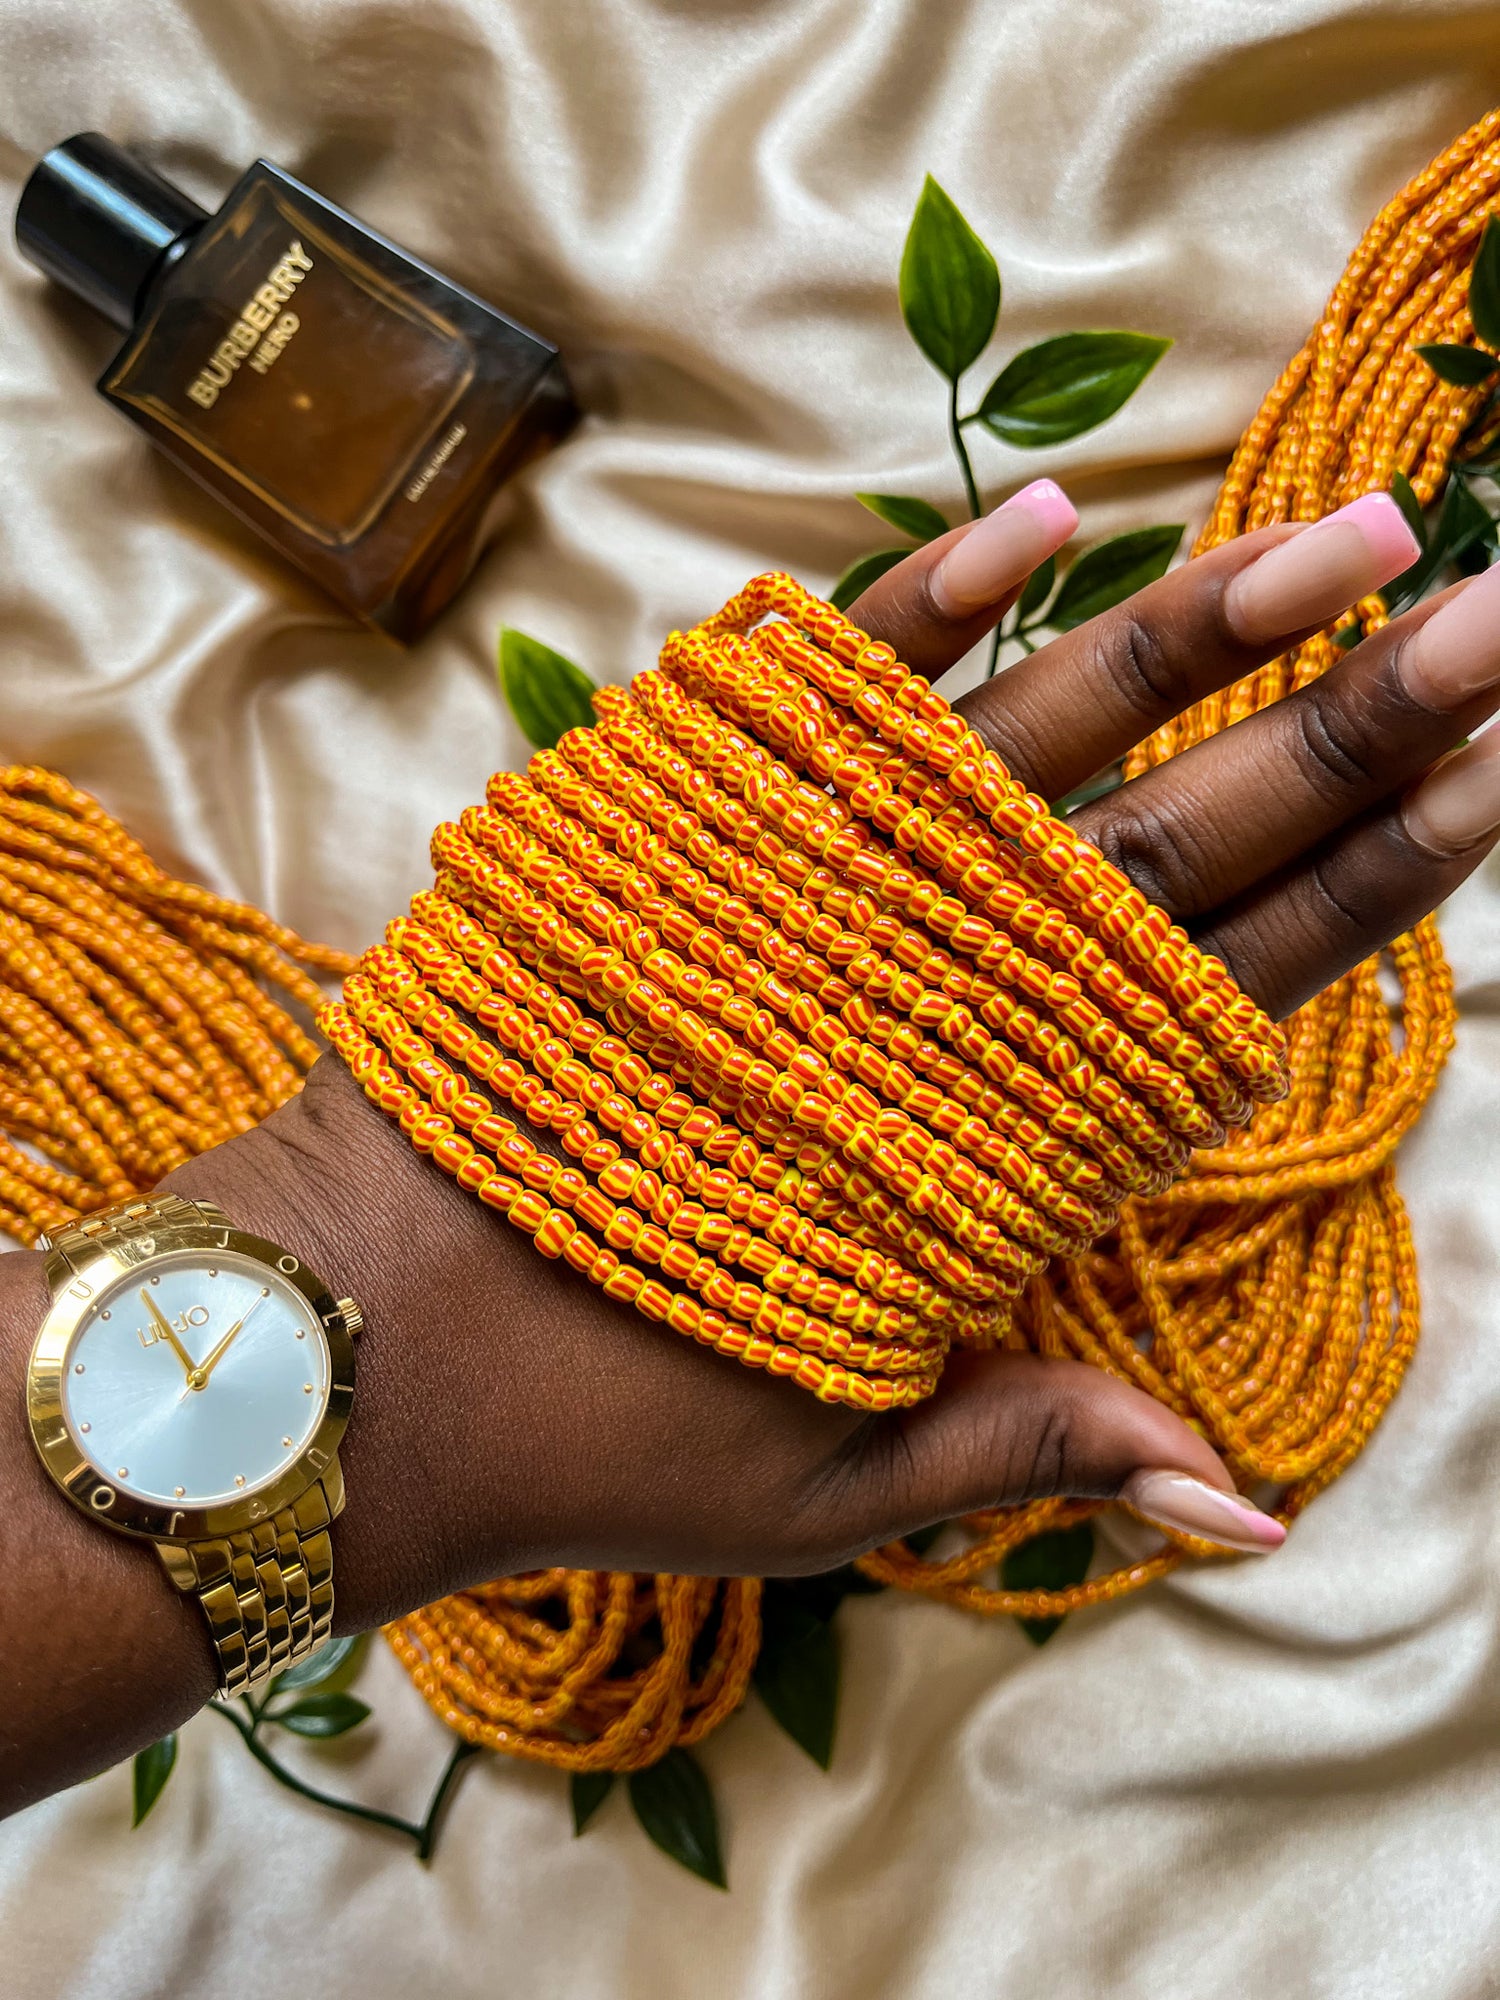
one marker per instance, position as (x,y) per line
(190,1386)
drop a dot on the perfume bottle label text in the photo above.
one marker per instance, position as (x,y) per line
(260,312)
(446,448)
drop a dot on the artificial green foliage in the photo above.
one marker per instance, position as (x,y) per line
(1465,367)
(858,577)
(797,1670)
(322,1715)
(1099,579)
(544,691)
(917,518)
(1062,387)
(587,1791)
(1484,285)
(1404,495)
(1103,782)
(149,1771)
(1463,525)
(950,300)
(1036,590)
(333,1666)
(1054,1560)
(311,1701)
(672,1801)
(950,284)
(1111,571)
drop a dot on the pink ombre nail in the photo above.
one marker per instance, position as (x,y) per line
(1192,1507)
(1456,654)
(1458,803)
(1315,575)
(1002,549)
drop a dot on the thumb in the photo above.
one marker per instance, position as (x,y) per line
(1003,1428)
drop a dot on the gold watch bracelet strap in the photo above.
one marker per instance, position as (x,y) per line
(266,1592)
(130,1225)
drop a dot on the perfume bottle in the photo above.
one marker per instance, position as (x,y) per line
(358,408)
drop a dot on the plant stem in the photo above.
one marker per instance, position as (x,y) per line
(250,1738)
(961,451)
(971,490)
(461,1754)
(423,1837)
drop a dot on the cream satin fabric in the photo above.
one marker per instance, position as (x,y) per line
(1275,1780)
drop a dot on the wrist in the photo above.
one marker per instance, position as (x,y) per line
(101,1655)
(330,1178)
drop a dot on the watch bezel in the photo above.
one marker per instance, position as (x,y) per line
(95,1270)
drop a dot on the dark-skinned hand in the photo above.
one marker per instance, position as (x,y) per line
(509,1417)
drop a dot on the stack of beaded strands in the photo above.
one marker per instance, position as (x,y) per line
(900,1064)
(135,1026)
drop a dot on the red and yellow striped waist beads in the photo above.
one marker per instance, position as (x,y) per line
(835,1034)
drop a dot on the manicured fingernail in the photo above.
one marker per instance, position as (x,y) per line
(1458,802)
(1322,571)
(1193,1507)
(1456,654)
(1003,548)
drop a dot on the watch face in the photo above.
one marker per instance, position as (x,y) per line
(196,1379)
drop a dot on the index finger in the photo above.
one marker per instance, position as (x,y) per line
(1094,693)
(939,603)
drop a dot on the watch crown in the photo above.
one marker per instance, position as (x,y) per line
(353,1318)
(43,1241)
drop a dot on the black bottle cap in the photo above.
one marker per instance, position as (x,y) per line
(100,221)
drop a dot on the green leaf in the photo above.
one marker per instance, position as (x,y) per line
(673,1803)
(797,1672)
(821,1595)
(546,693)
(1111,571)
(1405,497)
(1037,589)
(1348,636)
(920,1540)
(149,1771)
(1067,385)
(1484,285)
(917,518)
(1099,786)
(950,284)
(1053,1560)
(332,1666)
(321,1715)
(588,1790)
(858,577)
(1462,521)
(1466,367)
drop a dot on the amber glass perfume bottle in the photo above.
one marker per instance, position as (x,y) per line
(347,400)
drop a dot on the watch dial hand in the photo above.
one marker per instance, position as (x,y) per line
(206,1368)
(164,1332)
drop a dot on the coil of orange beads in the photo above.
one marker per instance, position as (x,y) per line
(748,950)
(133,1032)
(1268,1292)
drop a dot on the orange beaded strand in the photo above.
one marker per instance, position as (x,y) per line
(766,1044)
(133,1030)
